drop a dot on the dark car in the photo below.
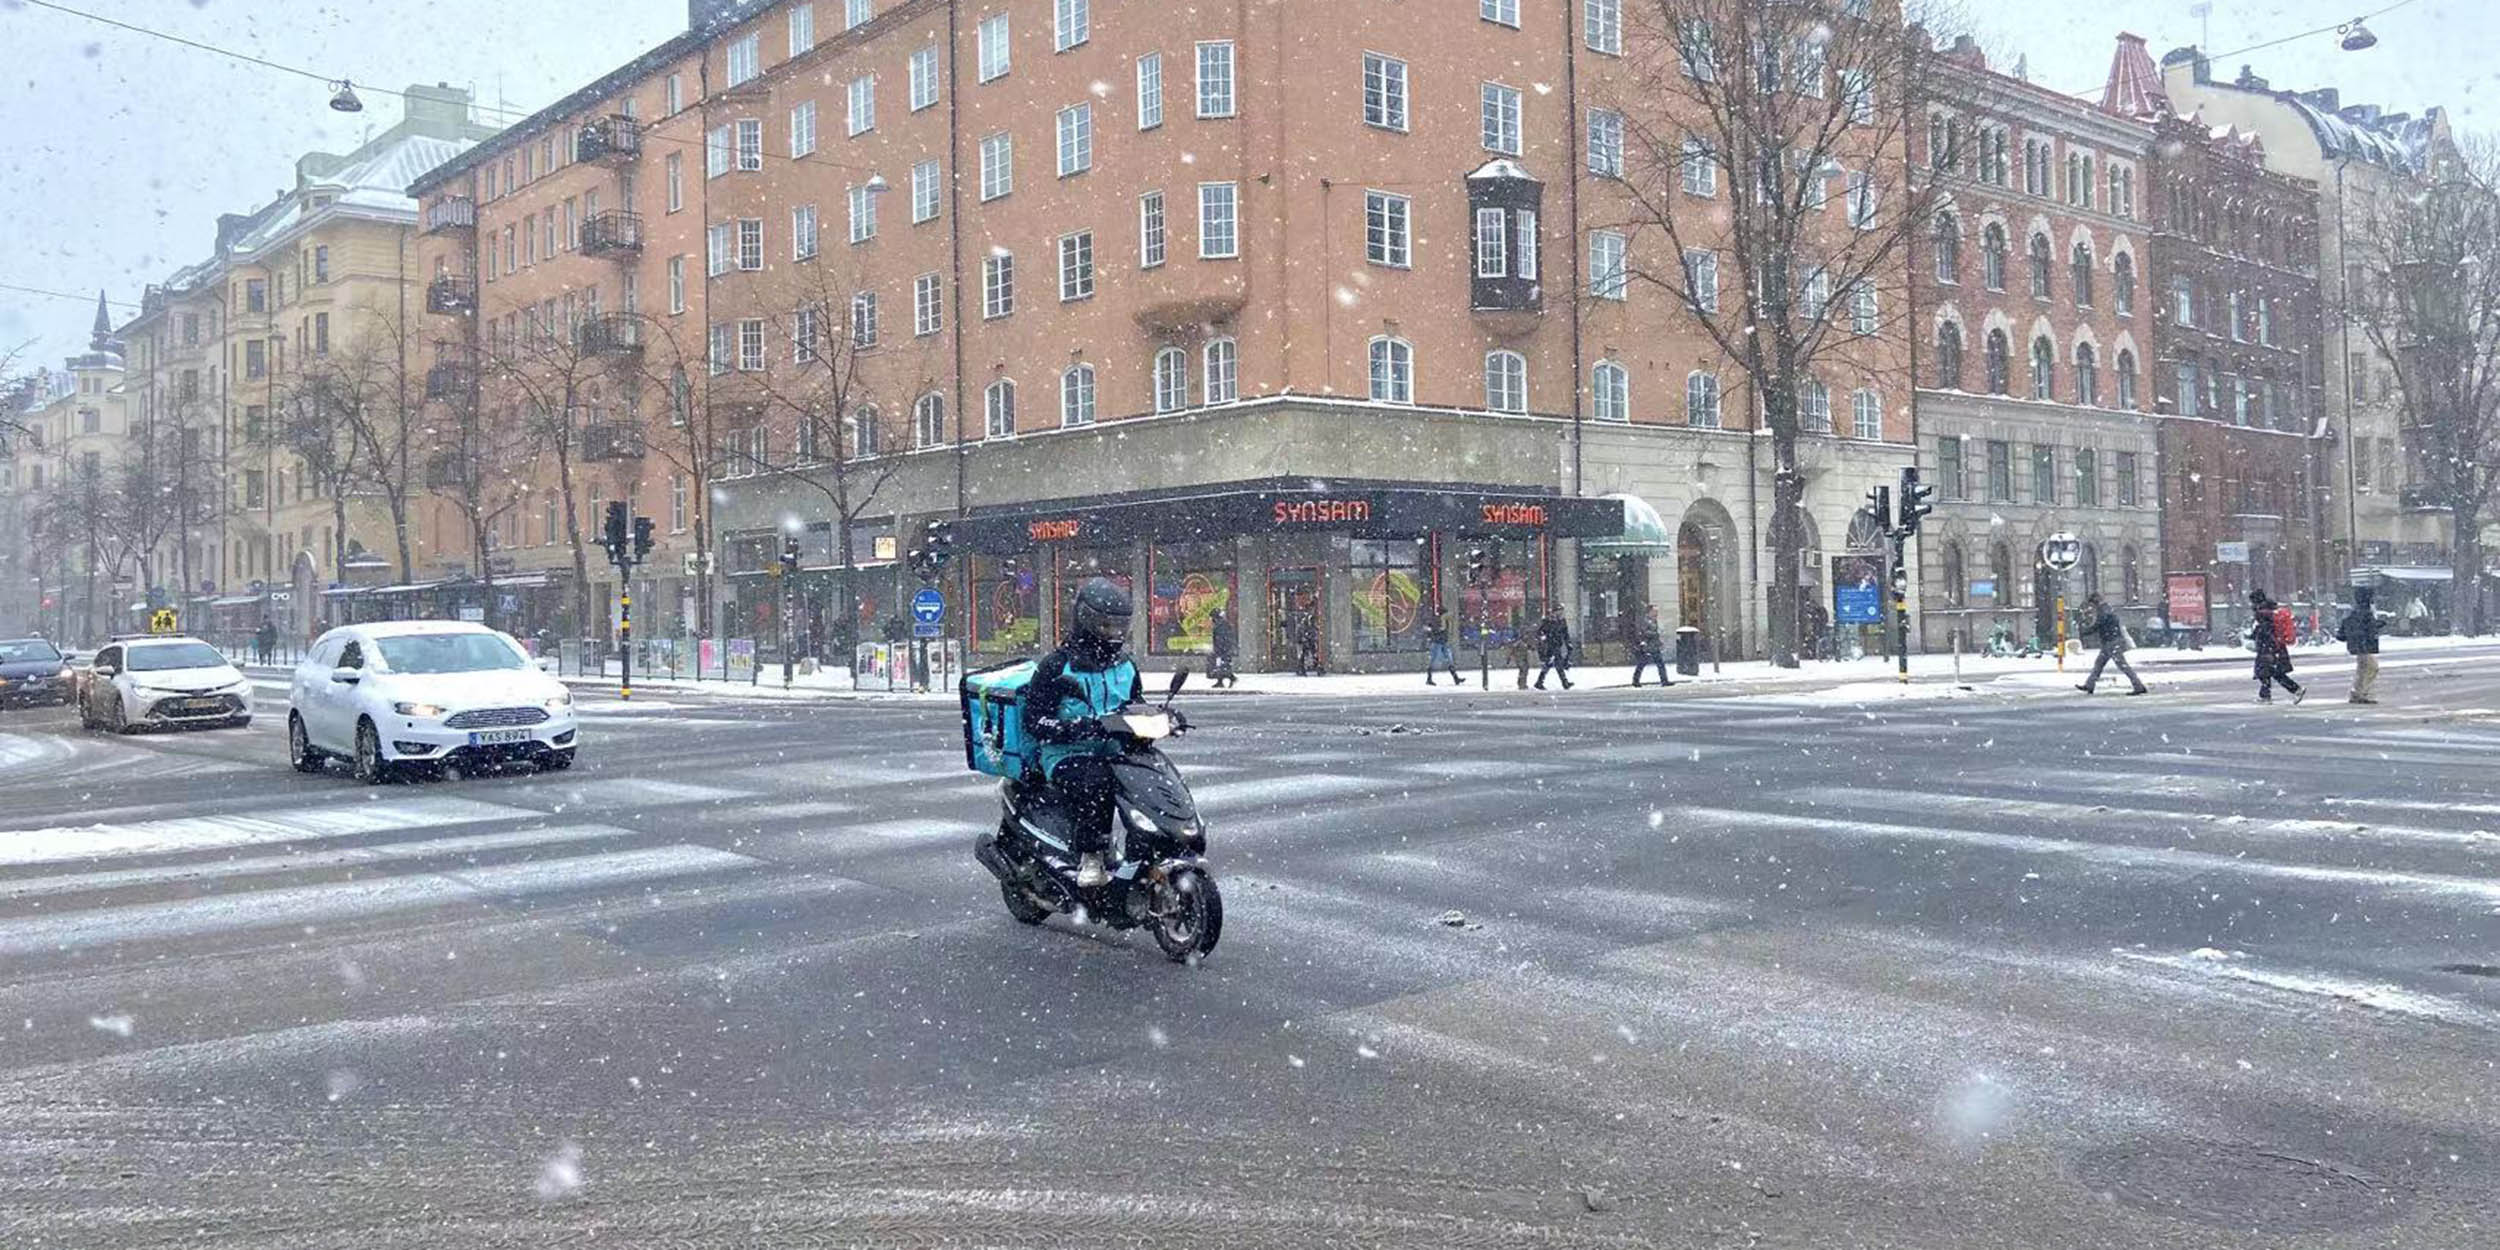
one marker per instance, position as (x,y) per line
(33,671)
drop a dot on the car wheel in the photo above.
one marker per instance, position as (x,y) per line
(371,768)
(119,721)
(299,748)
(86,715)
(555,761)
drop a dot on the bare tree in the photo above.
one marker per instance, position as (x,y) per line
(688,435)
(477,461)
(572,384)
(376,417)
(2433,307)
(1803,111)
(21,389)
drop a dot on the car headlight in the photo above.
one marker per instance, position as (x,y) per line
(1140,821)
(561,698)
(421,711)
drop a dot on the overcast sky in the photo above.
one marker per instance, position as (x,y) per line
(119,151)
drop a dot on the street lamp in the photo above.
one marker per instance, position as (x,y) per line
(345,101)
(2357,37)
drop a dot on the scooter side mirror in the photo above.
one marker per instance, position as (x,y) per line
(1180,677)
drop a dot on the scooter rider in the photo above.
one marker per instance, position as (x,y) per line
(1089,677)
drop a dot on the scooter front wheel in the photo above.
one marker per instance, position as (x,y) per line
(1188,914)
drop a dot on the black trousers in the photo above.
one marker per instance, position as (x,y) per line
(1085,783)
(1642,661)
(1559,664)
(2272,671)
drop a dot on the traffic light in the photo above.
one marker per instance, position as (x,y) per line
(1879,502)
(1914,499)
(1478,565)
(790,555)
(642,538)
(615,536)
(1901,583)
(941,542)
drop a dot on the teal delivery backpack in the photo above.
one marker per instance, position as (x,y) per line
(994,740)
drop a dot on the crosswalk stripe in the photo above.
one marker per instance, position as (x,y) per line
(200,833)
(2376,995)
(1920,802)
(382,853)
(1294,788)
(350,900)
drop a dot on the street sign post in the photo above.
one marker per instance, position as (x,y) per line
(928,613)
(2060,553)
(164,621)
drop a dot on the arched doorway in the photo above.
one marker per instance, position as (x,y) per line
(1705,573)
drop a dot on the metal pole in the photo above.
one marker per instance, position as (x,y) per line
(1901,605)
(625,629)
(786,660)
(2343,344)
(2061,625)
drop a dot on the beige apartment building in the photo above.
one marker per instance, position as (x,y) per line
(271,378)
(67,563)
(1279,308)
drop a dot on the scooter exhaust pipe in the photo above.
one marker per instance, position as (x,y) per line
(985,849)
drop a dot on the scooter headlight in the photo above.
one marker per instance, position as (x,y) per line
(1140,821)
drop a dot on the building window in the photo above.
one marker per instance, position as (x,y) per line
(750,144)
(2000,367)
(1501,118)
(924,78)
(2081,263)
(2000,471)
(751,345)
(1814,295)
(1171,378)
(1392,371)
(924,192)
(1076,396)
(1384,92)
(2039,266)
(2043,474)
(1949,357)
(1223,372)
(1861,199)
(1948,249)
(1605,143)
(750,244)
(1602,21)
(676,505)
(321,264)
(321,334)
(855,13)
(862,115)
(2126,380)
(676,284)
(1523,225)
(867,432)
(1701,168)
(2183,300)
(1701,401)
(1814,406)
(1610,392)
(802,28)
(1608,276)
(745,62)
(723,347)
(928,305)
(1505,12)
(1701,279)
(2087,376)
(994,57)
(803,233)
(1076,139)
(803,129)
(928,420)
(807,334)
(1150,230)
(1385,239)
(1215,79)
(672,97)
(1697,53)
(1866,415)
(999,409)
(2043,368)
(1150,91)
(998,166)
(1492,243)
(998,285)
(2124,470)
(1950,482)
(1076,266)
(1072,23)
(2087,479)
(1219,236)
(864,320)
(1864,315)
(1505,381)
(863,213)
(2122,280)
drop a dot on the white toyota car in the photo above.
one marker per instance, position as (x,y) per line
(138,683)
(389,696)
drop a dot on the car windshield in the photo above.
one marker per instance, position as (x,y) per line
(32,651)
(172,655)
(449,653)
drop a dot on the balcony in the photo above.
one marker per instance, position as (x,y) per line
(450,382)
(610,441)
(451,296)
(452,212)
(612,334)
(613,140)
(613,233)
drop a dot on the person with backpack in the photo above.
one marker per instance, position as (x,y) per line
(2272,633)
(2101,623)
(1553,644)
(2359,634)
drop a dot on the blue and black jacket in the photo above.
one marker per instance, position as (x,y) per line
(1072,688)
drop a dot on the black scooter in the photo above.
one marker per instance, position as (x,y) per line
(1159,877)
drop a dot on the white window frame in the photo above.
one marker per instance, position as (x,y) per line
(1385,92)
(1700,168)
(1492,246)
(1388,234)
(1222,358)
(1071,25)
(998,285)
(1523,263)
(928,305)
(1170,372)
(860,105)
(1602,24)
(855,13)
(1865,308)
(750,244)
(1609,265)
(1076,139)
(742,61)
(802,129)
(924,191)
(806,232)
(750,144)
(1814,406)
(1610,392)
(1076,396)
(1505,381)
(718,144)
(751,345)
(720,248)
(1863,198)
(928,421)
(1701,278)
(673,175)
(1866,414)
(1702,401)
(1217,95)
(1499,12)
(863,209)
(1502,113)
(1076,266)
(1219,220)
(1392,362)
(998,409)
(676,285)
(1149,90)
(802,29)
(864,328)
(997,57)
(923,76)
(1153,230)
(1605,146)
(998,166)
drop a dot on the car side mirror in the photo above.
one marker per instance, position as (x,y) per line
(104,670)
(347,676)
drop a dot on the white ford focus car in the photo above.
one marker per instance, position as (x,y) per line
(394,695)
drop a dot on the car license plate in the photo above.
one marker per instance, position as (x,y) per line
(495,737)
(193,707)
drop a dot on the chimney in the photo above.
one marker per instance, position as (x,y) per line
(439,112)
(2248,80)
(1967,51)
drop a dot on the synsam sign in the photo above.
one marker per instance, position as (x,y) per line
(1528,514)
(1322,511)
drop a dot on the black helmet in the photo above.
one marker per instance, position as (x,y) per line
(1102,613)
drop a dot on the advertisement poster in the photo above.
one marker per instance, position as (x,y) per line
(1181,611)
(1006,613)
(741,659)
(2184,601)
(1388,609)
(707,658)
(1857,590)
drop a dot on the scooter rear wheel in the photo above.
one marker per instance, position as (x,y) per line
(1189,915)
(1021,904)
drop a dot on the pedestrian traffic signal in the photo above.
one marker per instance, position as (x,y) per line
(790,555)
(614,536)
(1914,499)
(1476,566)
(642,538)
(1900,583)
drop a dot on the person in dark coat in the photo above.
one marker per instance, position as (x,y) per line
(1649,647)
(265,640)
(1306,646)
(2359,633)
(1553,645)
(1521,654)
(1438,655)
(1226,642)
(2274,656)
(2100,622)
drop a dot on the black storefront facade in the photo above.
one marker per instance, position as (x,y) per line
(1363,565)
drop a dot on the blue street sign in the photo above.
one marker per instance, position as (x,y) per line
(928,608)
(927,629)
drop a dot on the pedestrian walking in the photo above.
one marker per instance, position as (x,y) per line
(265,640)
(1649,647)
(1440,657)
(1553,641)
(2101,622)
(1522,656)
(1226,642)
(2271,634)
(1306,646)
(2359,634)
